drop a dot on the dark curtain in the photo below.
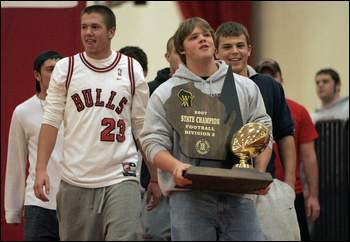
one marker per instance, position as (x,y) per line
(217,12)
(332,149)
(25,32)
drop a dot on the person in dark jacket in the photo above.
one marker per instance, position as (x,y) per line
(234,47)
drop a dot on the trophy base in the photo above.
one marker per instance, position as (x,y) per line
(235,180)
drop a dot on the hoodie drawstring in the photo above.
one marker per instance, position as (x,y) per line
(210,87)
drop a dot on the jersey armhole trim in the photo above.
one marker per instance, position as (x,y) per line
(70,71)
(131,75)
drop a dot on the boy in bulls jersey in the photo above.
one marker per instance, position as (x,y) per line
(101,97)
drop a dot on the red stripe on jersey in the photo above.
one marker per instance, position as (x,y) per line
(131,75)
(70,71)
(133,78)
(98,69)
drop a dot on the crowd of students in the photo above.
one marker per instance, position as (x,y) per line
(97,130)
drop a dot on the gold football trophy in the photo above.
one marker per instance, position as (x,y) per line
(250,140)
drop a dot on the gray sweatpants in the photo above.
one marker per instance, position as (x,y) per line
(107,213)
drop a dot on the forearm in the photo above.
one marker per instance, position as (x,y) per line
(286,148)
(152,171)
(47,140)
(15,178)
(309,159)
(262,160)
(165,161)
(151,168)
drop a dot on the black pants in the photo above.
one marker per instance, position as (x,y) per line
(40,224)
(299,204)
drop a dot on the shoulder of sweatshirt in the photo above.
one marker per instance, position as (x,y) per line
(163,92)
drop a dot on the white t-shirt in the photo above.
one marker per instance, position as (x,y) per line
(22,146)
(339,110)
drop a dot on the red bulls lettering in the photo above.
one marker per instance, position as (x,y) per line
(120,108)
(78,103)
(89,100)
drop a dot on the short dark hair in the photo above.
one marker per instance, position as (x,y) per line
(186,29)
(105,11)
(138,54)
(270,65)
(39,61)
(329,71)
(229,29)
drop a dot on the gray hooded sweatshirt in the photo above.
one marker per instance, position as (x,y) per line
(158,134)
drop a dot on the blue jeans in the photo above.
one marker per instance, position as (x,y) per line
(40,224)
(156,223)
(210,216)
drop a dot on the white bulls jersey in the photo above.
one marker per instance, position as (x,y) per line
(102,104)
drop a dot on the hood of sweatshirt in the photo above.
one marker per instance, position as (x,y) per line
(185,74)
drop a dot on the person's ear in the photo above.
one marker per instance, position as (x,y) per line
(216,54)
(167,56)
(111,32)
(337,88)
(249,50)
(37,75)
